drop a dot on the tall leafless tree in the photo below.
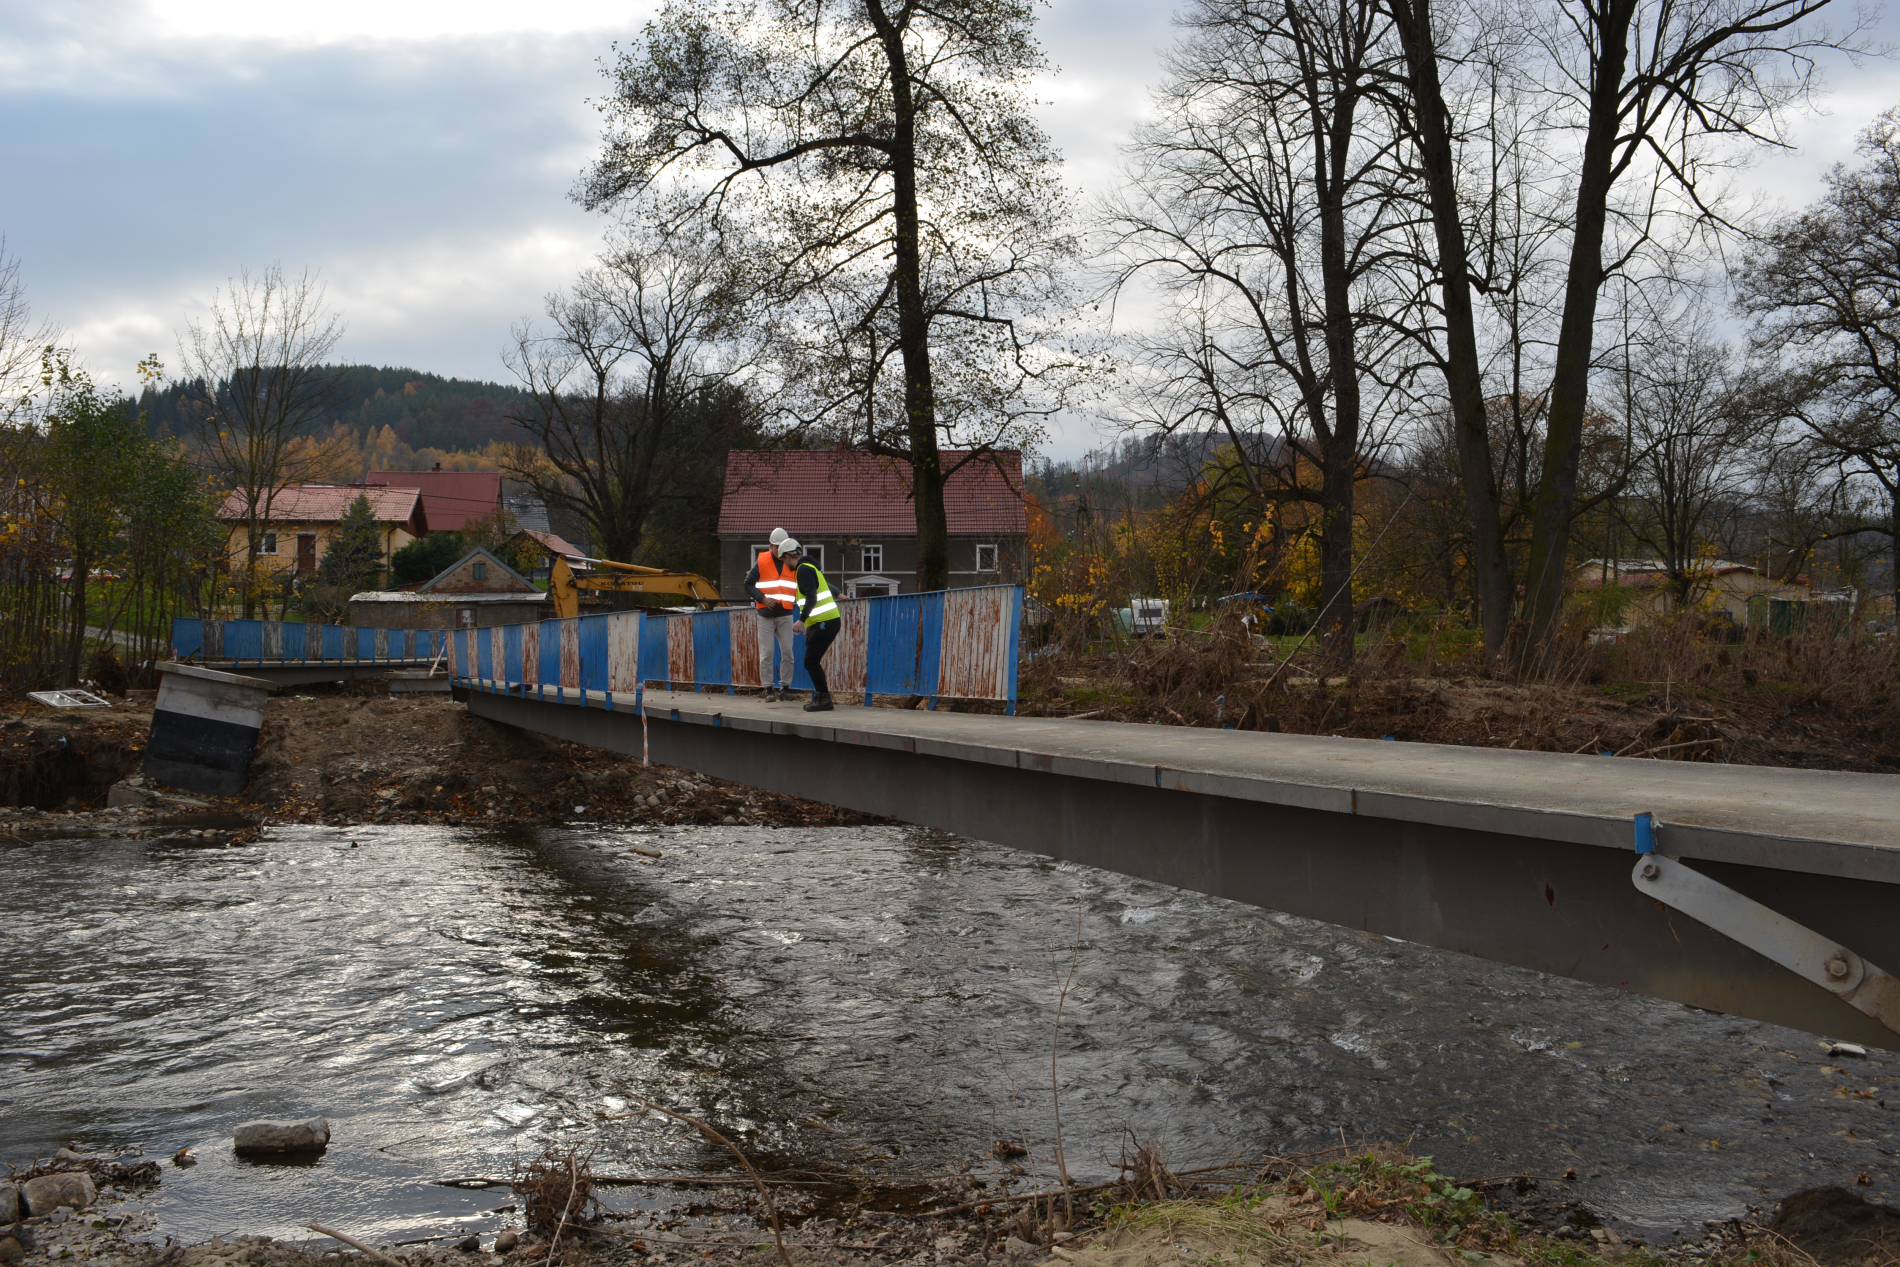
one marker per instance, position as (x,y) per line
(1824,288)
(637,370)
(903,198)
(24,341)
(1691,437)
(1642,100)
(258,380)
(1271,204)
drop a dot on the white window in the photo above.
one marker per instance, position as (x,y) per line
(753,552)
(815,554)
(267,543)
(871,559)
(986,558)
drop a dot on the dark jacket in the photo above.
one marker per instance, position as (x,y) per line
(807,589)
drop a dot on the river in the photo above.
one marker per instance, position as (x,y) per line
(879,1001)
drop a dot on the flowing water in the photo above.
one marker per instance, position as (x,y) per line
(879,1001)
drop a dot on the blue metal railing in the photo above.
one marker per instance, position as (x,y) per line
(270,642)
(952,644)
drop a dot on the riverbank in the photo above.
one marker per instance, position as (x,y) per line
(356,754)
(1350,1207)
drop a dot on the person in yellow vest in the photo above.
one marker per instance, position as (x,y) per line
(773,588)
(818,620)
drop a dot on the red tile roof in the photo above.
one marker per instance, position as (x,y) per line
(327,503)
(450,498)
(837,493)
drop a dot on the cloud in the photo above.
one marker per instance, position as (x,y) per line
(425,180)
(419,154)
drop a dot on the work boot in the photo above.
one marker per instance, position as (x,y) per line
(820,702)
(771,694)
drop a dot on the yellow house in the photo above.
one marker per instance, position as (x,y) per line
(303,518)
(1719,586)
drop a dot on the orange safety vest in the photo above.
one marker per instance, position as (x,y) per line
(777,583)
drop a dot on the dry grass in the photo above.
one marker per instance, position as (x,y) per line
(1667,691)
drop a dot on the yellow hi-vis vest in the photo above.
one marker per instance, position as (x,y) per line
(824,608)
(779,584)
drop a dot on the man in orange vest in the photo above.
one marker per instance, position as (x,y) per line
(772,585)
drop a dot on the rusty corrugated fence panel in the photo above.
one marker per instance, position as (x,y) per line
(571,652)
(845,661)
(974,660)
(745,646)
(679,650)
(531,653)
(623,652)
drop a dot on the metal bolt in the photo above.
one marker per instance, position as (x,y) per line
(1837,968)
(1651,871)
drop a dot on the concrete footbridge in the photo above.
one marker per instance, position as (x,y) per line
(1766,893)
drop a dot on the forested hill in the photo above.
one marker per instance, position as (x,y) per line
(423,411)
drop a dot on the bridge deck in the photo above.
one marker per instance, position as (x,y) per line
(1524,857)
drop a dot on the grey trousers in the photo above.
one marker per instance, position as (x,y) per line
(775,630)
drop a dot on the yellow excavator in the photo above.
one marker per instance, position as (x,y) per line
(623,578)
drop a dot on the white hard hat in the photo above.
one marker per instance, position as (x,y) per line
(789,546)
(778,535)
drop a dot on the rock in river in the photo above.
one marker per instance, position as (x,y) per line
(9,1204)
(310,1136)
(48,1192)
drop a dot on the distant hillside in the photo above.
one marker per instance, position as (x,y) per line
(420,410)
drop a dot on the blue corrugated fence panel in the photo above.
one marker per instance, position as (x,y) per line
(484,656)
(653,660)
(549,662)
(332,643)
(594,652)
(461,664)
(930,643)
(511,653)
(712,649)
(188,636)
(244,639)
(365,644)
(294,641)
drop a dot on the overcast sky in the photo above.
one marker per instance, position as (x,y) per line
(418,154)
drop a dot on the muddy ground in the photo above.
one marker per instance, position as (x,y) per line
(1376,1207)
(356,754)
(1711,718)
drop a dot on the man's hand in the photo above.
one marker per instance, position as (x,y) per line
(798,626)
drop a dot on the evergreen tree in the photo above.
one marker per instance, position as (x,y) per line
(354,559)
(423,560)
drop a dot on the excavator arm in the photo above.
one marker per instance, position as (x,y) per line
(623,578)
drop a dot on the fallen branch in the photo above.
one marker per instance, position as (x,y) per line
(633,1181)
(1687,743)
(765,1194)
(355,1244)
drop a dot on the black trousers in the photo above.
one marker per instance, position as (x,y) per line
(818,640)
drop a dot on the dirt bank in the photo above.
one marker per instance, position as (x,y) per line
(359,755)
(1810,703)
(1378,1207)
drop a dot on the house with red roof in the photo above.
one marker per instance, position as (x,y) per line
(449,498)
(302,518)
(854,515)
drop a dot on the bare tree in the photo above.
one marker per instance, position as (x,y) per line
(1638,96)
(24,341)
(1271,203)
(1824,289)
(638,372)
(258,382)
(904,200)
(1691,436)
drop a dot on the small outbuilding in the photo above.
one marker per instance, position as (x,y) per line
(474,592)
